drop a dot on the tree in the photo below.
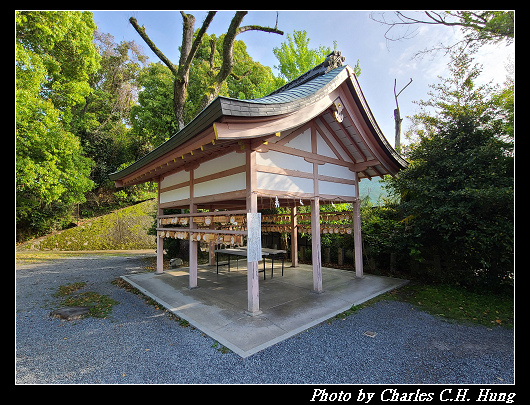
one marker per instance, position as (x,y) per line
(54,58)
(153,119)
(457,194)
(188,52)
(397,116)
(479,27)
(295,56)
(102,119)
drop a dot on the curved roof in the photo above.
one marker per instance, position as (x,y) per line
(302,92)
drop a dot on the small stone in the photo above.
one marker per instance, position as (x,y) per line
(70,313)
(174,263)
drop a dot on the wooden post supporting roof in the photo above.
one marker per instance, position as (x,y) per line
(315,245)
(159,240)
(315,220)
(357,237)
(194,245)
(252,207)
(294,237)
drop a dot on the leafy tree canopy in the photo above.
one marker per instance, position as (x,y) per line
(54,58)
(457,194)
(295,57)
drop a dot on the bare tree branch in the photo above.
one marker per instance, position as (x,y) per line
(397,116)
(188,50)
(258,28)
(145,37)
(228,61)
(198,39)
(479,27)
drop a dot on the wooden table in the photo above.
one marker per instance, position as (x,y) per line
(242,251)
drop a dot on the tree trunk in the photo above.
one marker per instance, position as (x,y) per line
(180,93)
(188,50)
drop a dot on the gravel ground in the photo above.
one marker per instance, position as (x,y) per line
(139,344)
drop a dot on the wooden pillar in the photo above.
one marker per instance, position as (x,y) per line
(294,238)
(315,220)
(315,245)
(357,237)
(211,248)
(252,206)
(194,245)
(159,240)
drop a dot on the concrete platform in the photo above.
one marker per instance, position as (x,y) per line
(288,304)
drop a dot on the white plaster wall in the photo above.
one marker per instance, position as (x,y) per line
(339,189)
(323,148)
(341,172)
(175,195)
(284,161)
(302,141)
(229,183)
(225,162)
(334,142)
(270,181)
(175,178)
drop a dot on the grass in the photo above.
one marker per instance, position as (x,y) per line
(456,303)
(100,306)
(449,302)
(68,289)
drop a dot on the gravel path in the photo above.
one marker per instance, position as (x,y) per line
(139,344)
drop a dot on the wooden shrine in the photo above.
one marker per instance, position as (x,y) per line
(312,140)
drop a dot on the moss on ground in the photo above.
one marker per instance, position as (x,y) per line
(120,230)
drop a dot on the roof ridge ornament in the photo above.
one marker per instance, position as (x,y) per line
(333,60)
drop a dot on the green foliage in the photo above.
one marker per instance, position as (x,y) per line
(54,57)
(457,303)
(153,119)
(101,120)
(484,27)
(295,56)
(123,229)
(457,194)
(382,233)
(249,79)
(69,289)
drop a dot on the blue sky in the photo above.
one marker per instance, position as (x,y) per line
(357,36)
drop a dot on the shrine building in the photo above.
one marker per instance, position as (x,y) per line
(307,143)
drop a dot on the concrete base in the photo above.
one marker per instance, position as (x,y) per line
(288,305)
